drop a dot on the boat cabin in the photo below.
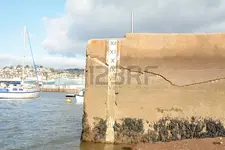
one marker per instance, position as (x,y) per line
(81,93)
(15,89)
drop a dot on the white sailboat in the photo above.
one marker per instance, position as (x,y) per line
(17,90)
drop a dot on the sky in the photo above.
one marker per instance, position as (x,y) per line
(60,29)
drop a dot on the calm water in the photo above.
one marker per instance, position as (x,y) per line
(47,123)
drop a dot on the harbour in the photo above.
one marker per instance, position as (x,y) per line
(112,76)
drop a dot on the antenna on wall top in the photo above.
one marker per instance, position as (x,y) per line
(132,22)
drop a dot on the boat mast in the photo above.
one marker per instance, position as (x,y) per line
(24,40)
(35,69)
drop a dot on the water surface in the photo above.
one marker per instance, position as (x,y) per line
(47,123)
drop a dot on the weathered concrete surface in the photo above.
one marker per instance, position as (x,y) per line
(179,96)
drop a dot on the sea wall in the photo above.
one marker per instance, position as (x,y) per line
(168,87)
(62,88)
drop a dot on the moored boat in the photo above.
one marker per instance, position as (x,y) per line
(80,97)
(18,90)
(18,93)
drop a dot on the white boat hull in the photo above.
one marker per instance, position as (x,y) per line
(79,99)
(19,95)
(24,94)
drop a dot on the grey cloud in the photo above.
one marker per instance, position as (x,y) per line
(47,61)
(113,19)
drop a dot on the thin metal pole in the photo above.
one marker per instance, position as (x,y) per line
(35,67)
(132,22)
(25,47)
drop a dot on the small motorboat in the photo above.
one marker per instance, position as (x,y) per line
(70,95)
(80,97)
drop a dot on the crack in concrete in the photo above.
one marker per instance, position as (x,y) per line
(156,74)
(97,60)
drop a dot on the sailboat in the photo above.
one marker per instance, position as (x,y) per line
(17,90)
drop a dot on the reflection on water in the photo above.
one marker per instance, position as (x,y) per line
(47,123)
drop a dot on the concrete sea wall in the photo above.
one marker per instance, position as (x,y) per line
(168,87)
(62,88)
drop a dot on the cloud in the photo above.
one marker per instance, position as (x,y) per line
(86,19)
(46,61)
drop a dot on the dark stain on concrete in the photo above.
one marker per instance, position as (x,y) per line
(99,131)
(127,148)
(97,134)
(85,135)
(167,129)
(161,110)
(175,129)
(131,130)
